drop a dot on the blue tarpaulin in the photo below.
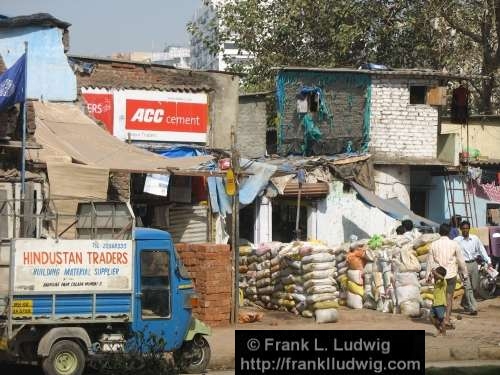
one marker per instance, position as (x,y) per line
(257,180)
(182,152)
(259,175)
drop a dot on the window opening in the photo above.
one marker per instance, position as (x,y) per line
(155,285)
(418,94)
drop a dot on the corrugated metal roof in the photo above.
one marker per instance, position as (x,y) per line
(427,73)
(152,87)
(37,19)
(385,160)
(142,63)
(257,94)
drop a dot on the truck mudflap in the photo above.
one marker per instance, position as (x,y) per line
(197,327)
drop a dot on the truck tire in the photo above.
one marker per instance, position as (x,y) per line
(66,357)
(196,355)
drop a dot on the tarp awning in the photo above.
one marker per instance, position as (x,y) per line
(392,207)
(67,134)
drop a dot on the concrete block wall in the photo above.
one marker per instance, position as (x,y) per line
(209,266)
(252,125)
(399,129)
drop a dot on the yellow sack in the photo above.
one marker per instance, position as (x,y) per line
(325,305)
(426,289)
(342,279)
(458,293)
(424,249)
(427,296)
(458,285)
(355,288)
(245,250)
(242,297)
(422,258)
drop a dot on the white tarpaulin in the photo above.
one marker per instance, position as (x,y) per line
(67,134)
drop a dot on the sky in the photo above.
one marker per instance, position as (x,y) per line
(103,27)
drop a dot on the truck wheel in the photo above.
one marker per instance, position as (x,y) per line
(65,358)
(197,356)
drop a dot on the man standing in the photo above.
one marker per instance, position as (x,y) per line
(471,248)
(455,224)
(446,253)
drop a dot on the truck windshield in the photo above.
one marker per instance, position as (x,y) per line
(155,285)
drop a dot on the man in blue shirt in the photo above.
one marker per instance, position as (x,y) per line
(455,224)
(472,248)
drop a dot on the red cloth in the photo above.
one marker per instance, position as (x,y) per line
(461,96)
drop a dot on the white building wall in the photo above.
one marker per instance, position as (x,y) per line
(400,129)
(340,215)
(393,181)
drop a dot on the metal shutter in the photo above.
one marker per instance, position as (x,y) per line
(188,223)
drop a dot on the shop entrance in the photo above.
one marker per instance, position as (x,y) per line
(284,218)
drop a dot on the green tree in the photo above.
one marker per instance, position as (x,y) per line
(459,35)
(476,42)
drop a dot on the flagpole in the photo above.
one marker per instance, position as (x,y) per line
(23,152)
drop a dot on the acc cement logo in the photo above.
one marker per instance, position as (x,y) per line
(7,87)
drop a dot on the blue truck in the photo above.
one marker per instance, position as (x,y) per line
(65,303)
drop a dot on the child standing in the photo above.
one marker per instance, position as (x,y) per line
(438,310)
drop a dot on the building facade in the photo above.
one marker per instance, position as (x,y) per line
(393,116)
(201,58)
(175,56)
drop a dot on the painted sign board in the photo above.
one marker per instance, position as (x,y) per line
(99,103)
(50,266)
(161,116)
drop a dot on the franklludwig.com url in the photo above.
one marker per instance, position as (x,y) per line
(375,366)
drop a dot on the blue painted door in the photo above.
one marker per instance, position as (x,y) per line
(158,306)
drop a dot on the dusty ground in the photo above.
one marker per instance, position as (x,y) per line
(475,337)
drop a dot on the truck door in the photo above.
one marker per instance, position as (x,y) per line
(154,297)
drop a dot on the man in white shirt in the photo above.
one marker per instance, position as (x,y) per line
(472,248)
(448,254)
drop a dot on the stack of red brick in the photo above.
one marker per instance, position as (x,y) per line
(209,266)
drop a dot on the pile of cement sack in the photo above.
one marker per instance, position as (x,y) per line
(387,274)
(311,279)
(298,277)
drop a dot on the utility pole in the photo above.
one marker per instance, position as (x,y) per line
(235,232)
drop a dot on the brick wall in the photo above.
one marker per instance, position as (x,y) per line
(399,129)
(346,102)
(209,266)
(119,187)
(252,125)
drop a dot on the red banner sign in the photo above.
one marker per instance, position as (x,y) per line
(170,116)
(100,107)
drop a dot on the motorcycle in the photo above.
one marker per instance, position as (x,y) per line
(487,279)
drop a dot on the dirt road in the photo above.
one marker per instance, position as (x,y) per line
(475,337)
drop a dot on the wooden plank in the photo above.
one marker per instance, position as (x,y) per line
(18,144)
(350,160)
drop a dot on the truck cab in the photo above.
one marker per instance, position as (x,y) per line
(71,302)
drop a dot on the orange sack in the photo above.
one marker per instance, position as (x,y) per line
(355,259)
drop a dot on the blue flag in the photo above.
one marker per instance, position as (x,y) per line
(13,85)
